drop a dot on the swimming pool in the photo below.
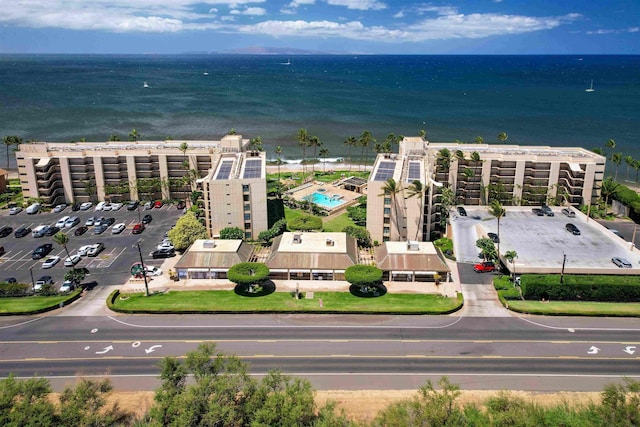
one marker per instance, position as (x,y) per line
(320,199)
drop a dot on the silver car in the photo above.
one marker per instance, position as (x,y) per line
(621,262)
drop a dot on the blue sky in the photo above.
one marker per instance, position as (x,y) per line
(336,26)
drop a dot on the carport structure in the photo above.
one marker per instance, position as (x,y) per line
(211,259)
(411,262)
(543,243)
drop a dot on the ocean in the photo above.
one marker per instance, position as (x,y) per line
(536,100)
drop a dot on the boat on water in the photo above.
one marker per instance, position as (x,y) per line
(286,63)
(205,74)
(145,85)
(591,89)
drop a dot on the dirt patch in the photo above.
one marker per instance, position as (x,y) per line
(363,405)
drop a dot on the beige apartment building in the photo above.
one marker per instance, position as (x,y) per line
(472,174)
(142,170)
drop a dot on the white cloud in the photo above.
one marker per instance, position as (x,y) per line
(358,4)
(614,31)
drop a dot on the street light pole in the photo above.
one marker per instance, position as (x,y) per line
(564,261)
(144,270)
(33,284)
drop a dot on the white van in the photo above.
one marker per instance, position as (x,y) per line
(33,209)
(39,231)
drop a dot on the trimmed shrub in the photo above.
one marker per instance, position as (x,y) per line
(276,229)
(581,288)
(363,275)
(305,223)
(14,289)
(248,273)
(361,234)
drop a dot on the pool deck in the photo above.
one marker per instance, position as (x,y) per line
(305,190)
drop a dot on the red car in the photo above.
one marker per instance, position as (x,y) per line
(138,228)
(158,204)
(484,267)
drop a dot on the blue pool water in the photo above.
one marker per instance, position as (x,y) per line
(323,200)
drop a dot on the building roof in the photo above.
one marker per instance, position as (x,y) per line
(215,254)
(328,251)
(355,181)
(410,256)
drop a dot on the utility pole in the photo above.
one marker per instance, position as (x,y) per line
(33,284)
(564,261)
(144,269)
(633,238)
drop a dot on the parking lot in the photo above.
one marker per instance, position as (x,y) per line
(542,242)
(111,266)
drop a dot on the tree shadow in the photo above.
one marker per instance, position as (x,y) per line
(266,288)
(376,291)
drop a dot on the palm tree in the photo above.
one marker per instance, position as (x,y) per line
(616,158)
(598,150)
(114,138)
(502,137)
(610,144)
(314,142)
(416,189)
(8,141)
(497,211)
(629,161)
(391,189)
(350,142)
(422,133)
(62,239)
(255,144)
(478,140)
(511,257)
(134,135)
(324,153)
(303,141)
(459,155)
(608,188)
(278,152)
(444,159)
(184,147)
(475,158)
(636,166)
(365,141)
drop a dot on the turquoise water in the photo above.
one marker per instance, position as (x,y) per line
(324,201)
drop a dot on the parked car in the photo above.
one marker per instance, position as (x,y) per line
(22,231)
(33,209)
(181,205)
(569,212)
(15,210)
(621,262)
(158,204)
(133,205)
(118,228)
(67,286)
(50,262)
(163,253)
(537,211)
(147,206)
(10,280)
(573,229)
(72,260)
(153,271)
(39,231)
(100,229)
(42,251)
(100,206)
(116,206)
(494,237)
(147,219)
(50,231)
(75,207)
(106,206)
(5,230)
(138,228)
(90,221)
(95,249)
(44,280)
(72,221)
(462,211)
(547,210)
(2,251)
(165,244)
(83,250)
(62,221)
(59,208)
(80,230)
(107,221)
(86,206)
(616,232)
(484,267)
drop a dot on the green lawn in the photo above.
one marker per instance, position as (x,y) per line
(338,223)
(576,308)
(32,304)
(290,214)
(229,301)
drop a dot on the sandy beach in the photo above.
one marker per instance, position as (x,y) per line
(319,167)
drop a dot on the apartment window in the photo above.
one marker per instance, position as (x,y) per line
(247,226)
(247,217)
(387,221)
(387,200)
(385,230)
(247,208)
(387,211)
(247,234)
(245,197)
(245,187)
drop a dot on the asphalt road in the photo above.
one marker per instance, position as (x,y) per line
(336,351)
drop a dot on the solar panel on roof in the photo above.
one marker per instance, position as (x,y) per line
(225,170)
(414,171)
(253,168)
(385,171)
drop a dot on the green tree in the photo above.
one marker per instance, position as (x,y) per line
(608,189)
(8,141)
(76,275)
(305,223)
(231,233)
(62,239)
(184,147)
(392,189)
(366,277)
(248,274)
(114,138)
(511,257)
(278,151)
(255,144)
(629,161)
(314,142)
(85,406)
(324,153)
(358,214)
(134,135)
(502,137)
(284,401)
(610,144)
(350,142)
(416,189)
(365,141)
(478,140)
(232,131)
(616,158)
(598,150)
(497,211)
(487,249)
(636,166)
(187,230)
(303,141)
(443,160)
(361,234)
(26,402)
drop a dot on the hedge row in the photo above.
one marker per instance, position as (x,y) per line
(581,288)
(15,289)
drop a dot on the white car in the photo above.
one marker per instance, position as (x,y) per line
(118,228)
(90,221)
(62,221)
(84,250)
(95,249)
(86,206)
(67,286)
(165,245)
(153,271)
(50,262)
(106,207)
(100,206)
(72,260)
(15,211)
(59,208)
(116,206)
(72,221)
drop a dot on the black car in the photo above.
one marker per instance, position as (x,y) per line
(547,210)
(5,230)
(573,229)
(181,205)
(10,280)
(132,206)
(22,231)
(494,237)
(108,221)
(163,253)
(75,207)
(80,230)
(462,211)
(147,219)
(42,251)
(537,211)
(50,231)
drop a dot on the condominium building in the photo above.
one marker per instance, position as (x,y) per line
(429,176)
(235,193)
(148,170)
